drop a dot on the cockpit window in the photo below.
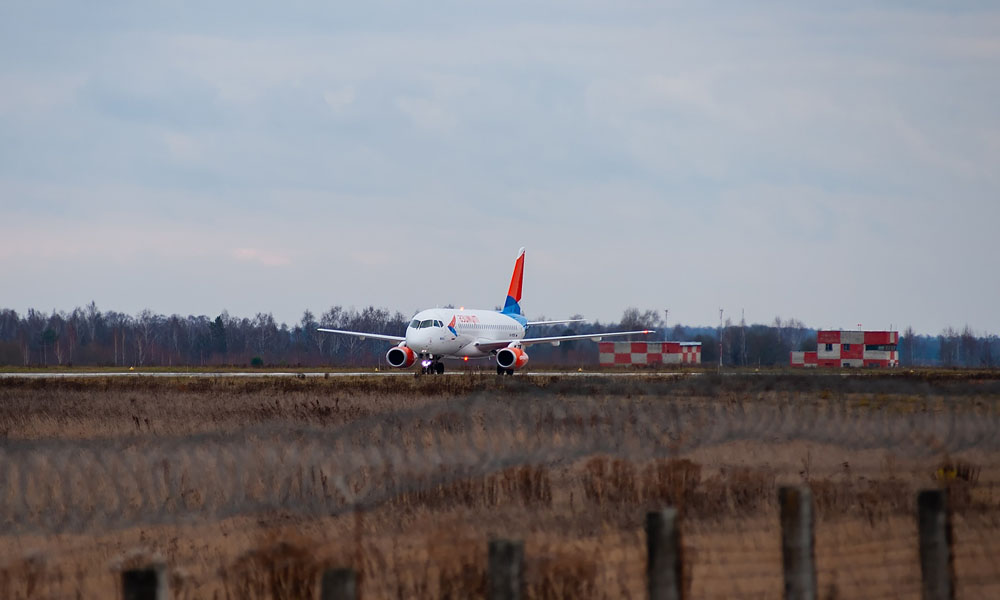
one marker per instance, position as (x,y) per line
(415,323)
(438,323)
(427,323)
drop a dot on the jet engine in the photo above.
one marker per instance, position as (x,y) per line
(512,358)
(400,357)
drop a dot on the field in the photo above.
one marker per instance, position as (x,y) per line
(247,488)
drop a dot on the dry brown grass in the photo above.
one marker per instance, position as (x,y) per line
(581,518)
(278,570)
(24,578)
(528,486)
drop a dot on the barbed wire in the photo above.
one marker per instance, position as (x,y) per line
(76,485)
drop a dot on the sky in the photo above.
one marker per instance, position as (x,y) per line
(835,163)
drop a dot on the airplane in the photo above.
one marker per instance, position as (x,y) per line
(439,333)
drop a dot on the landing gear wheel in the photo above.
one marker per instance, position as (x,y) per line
(439,368)
(500,370)
(510,372)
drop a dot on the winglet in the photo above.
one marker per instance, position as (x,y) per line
(512,305)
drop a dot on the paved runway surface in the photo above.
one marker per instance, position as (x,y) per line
(81,374)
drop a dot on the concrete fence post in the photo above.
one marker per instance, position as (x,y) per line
(338,584)
(506,564)
(797,555)
(664,565)
(934,527)
(145,584)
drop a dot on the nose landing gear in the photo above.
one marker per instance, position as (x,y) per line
(430,366)
(503,371)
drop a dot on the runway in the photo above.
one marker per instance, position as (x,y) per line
(327,375)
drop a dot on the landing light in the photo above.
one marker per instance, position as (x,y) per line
(425,363)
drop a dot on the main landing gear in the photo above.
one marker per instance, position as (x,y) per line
(431,367)
(503,371)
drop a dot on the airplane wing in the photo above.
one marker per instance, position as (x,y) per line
(556,339)
(362,335)
(554,322)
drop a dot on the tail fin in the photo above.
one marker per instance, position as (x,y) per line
(512,306)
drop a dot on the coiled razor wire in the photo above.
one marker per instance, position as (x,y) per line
(70,486)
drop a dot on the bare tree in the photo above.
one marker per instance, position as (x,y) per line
(909,339)
(634,320)
(968,346)
(266,330)
(72,334)
(148,324)
(119,324)
(24,342)
(88,336)
(9,322)
(949,347)
(33,325)
(309,334)
(54,334)
(988,342)
(93,317)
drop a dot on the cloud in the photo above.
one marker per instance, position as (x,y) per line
(36,94)
(426,113)
(338,100)
(374,257)
(642,145)
(182,147)
(263,257)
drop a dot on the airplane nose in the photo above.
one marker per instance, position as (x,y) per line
(425,343)
(418,342)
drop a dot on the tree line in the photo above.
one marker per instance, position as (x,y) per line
(92,337)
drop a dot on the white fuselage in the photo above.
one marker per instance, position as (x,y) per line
(430,332)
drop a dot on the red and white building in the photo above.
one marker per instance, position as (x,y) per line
(851,349)
(649,353)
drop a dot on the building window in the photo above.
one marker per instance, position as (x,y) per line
(829,347)
(847,346)
(882,347)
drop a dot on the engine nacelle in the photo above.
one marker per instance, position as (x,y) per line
(400,357)
(512,358)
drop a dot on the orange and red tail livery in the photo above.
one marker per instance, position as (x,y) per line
(512,306)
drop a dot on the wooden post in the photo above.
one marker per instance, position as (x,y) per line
(797,542)
(934,527)
(339,584)
(145,584)
(506,560)
(664,566)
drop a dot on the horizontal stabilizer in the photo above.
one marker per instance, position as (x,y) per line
(596,337)
(556,339)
